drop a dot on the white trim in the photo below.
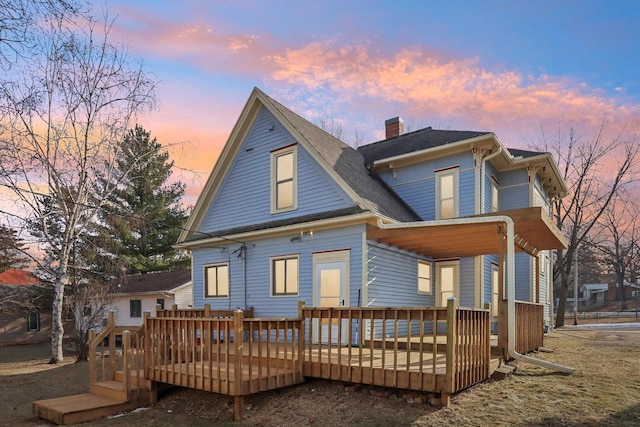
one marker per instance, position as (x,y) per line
(455,173)
(456,281)
(428,264)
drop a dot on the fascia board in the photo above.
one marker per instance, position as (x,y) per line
(453,147)
(231,148)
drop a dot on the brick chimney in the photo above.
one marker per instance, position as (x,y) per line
(394,127)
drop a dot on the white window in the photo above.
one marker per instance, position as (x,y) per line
(33,321)
(447,193)
(495,289)
(216,280)
(284,276)
(447,277)
(424,277)
(284,185)
(494,195)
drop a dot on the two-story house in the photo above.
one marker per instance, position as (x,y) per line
(291,213)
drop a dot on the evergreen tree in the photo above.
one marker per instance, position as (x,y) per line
(145,215)
(12,250)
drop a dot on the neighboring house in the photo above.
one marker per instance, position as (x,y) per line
(138,293)
(31,322)
(291,213)
(593,293)
(631,290)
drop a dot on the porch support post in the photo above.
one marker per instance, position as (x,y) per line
(503,332)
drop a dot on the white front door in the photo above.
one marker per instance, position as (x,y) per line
(331,289)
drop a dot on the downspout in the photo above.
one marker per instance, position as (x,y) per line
(511,279)
(511,306)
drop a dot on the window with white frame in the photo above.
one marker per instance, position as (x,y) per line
(424,277)
(494,195)
(216,280)
(447,277)
(284,275)
(495,289)
(284,179)
(447,193)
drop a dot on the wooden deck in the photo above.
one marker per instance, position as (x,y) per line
(401,348)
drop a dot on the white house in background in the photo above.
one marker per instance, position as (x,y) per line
(141,292)
(594,292)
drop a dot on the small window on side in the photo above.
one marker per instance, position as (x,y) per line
(424,278)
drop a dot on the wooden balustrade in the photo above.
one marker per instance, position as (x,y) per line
(190,313)
(229,355)
(110,362)
(529,326)
(432,349)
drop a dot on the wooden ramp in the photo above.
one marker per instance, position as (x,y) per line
(106,398)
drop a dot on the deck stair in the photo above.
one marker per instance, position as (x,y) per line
(104,399)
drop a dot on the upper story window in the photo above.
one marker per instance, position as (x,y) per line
(284,176)
(216,280)
(447,193)
(494,195)
(284,275)
(424,277)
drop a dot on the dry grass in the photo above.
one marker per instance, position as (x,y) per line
(604,391)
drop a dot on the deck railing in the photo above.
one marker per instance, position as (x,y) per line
(529,326)
(433,349)
(189,313)
(109,362)
(229,355)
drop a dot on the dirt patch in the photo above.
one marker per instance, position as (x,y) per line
(603,391)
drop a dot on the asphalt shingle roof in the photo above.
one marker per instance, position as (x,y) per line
(419,140)
(151,282)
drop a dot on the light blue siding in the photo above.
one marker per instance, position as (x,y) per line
(250,275)
(393,278)
(244,196)
(415,183)
(467,282)
(514,189)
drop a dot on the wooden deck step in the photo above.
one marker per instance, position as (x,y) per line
(80,408)
(111,389)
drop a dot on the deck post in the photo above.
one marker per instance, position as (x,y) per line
(452,343)
(487,342)
(238,317)
(93,363)
(126,362)
(301,340)
(146,345)
(207,310)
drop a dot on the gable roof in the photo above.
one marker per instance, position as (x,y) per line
(410,142)
(166,281)
(341,162)
(19,278)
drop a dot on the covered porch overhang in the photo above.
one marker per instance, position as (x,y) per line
(534,231)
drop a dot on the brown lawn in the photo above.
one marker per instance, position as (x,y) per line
(604,391)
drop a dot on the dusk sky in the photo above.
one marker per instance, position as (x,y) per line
(510,67)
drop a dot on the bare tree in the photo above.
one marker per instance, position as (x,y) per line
(63,114)
(330,124)
(89,306)
(595,170)
(618,239)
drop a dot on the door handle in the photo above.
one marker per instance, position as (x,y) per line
(343,303)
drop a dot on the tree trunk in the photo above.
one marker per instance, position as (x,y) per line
(620,294)
(57,329)
(564,288)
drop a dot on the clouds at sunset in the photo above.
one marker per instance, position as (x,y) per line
(359,82)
